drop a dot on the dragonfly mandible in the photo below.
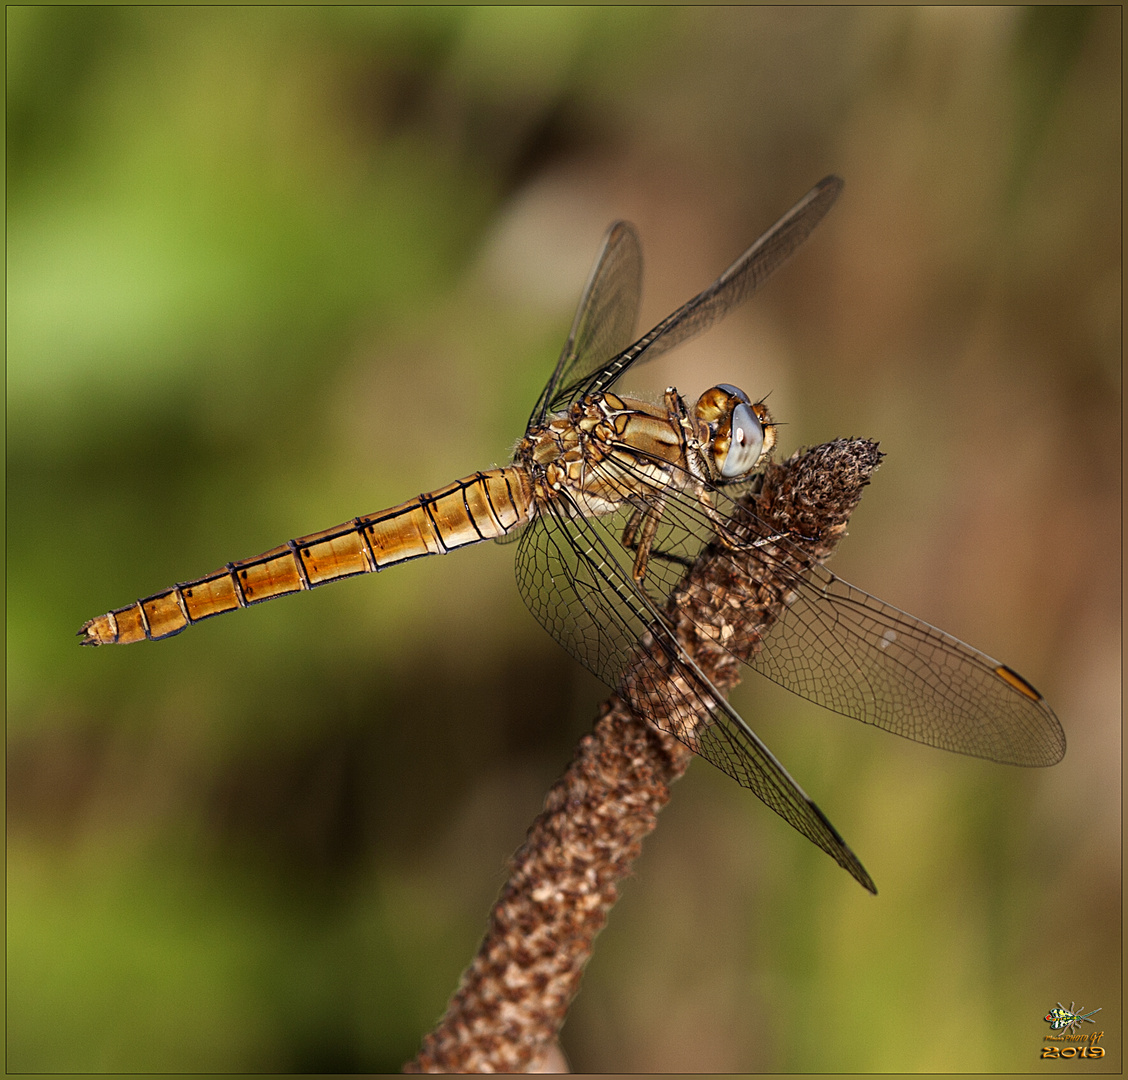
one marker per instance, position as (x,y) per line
(610,499)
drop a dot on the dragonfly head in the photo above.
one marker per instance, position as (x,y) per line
(738,433)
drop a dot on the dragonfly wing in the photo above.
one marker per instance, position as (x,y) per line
(730,744)
(836,645)
(574,574)
(606,318)
(731,289)
(854,654)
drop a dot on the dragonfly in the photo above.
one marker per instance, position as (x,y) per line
(609,500)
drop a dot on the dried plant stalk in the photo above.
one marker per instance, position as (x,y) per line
(514,997)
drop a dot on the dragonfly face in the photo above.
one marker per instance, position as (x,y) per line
(739,434)
(613,499)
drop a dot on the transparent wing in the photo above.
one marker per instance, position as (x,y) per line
(826,640)
(605,320)
(838,646)
(574,575)
(731,289)
(854,654)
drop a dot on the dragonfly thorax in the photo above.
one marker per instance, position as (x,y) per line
(601,448)
(737,434)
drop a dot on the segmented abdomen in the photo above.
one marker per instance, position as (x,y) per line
(478,507)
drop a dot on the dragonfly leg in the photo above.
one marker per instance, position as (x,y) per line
(630,531)
(775,538)
(631,543)
(724,529)
(638,537)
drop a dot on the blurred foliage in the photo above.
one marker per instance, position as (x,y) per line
(269,268)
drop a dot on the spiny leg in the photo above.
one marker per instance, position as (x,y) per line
(638,536)
(641,540)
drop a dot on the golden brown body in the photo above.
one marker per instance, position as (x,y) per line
(648,442)
(478,507)
(618,499)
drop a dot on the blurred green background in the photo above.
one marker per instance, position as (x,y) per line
(269,269)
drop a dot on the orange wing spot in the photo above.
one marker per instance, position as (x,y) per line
(1012,678)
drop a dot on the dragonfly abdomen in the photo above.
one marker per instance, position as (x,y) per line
(475,508)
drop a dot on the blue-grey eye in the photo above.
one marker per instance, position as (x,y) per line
(746,442)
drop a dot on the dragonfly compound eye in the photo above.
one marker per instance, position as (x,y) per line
(739,434)
(745,443)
